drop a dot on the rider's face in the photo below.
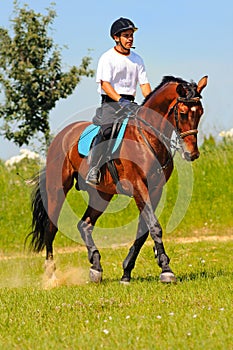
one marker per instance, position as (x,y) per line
(126,38)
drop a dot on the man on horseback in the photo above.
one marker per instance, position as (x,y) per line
(118,73)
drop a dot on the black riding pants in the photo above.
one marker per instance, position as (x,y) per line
(106,114)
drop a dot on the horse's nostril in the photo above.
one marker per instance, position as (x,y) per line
(191,156)
(187,156)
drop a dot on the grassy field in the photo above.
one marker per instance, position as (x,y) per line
(210,210)
(195,313)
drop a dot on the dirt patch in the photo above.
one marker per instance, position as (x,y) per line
(200,236)
(202,239)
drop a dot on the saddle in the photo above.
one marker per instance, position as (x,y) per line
(86,140)
(90,132)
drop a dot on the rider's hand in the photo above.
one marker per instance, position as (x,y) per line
(123,102)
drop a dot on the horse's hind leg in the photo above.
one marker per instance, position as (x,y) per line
(129,262)
(98,202)
(50,266)
(86,226)
(57,190)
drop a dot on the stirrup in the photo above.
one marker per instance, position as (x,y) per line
(93,176)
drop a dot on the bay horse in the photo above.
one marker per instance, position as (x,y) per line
(143,163)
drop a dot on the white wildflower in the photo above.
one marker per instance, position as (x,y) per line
(228,134)
(106,331)
(24,153)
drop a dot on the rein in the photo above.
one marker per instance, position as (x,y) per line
(169,144)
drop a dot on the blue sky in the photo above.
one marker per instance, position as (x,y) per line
(180,38)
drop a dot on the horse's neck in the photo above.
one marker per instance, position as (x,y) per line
(162,98)
(158,107)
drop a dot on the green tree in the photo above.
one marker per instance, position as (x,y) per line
(31,77)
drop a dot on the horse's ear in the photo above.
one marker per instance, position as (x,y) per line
(181,90)
(202,84)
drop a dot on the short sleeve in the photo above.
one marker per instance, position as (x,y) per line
(142,76)
(104,69)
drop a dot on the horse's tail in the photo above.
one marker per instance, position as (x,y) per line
(40,219)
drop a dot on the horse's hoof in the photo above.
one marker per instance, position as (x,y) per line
(95,276)
(167,277)
(125,281)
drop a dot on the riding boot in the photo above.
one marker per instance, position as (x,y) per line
(94,174)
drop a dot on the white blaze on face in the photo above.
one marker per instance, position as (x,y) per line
(193,109)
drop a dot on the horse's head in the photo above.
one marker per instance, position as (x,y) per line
(187,113)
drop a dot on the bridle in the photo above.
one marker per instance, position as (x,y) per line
(173,109)
(169,144)
(186,101)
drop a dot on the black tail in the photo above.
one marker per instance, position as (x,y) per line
(40,219)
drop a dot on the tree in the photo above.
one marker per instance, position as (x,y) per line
(31,77)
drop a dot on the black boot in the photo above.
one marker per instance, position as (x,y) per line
(94,175)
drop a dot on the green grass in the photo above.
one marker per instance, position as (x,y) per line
(210,210)
(196,313)
(15,215)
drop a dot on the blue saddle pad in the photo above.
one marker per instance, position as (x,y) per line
(88,134)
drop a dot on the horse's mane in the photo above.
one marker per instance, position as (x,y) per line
(168,79)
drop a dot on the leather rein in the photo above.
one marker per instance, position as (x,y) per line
(169,144)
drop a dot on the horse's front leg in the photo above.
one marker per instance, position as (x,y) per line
(155,229)
(142,234)
(129,262)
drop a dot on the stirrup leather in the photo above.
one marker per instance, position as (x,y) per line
(93,176)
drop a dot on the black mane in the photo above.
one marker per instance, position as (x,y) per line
(191,87)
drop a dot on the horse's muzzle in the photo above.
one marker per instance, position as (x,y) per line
(190,157)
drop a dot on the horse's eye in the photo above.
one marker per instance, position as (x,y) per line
(184,115)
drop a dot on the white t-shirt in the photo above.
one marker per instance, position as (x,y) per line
(121,71)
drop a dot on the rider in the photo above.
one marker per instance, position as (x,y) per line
(118,73)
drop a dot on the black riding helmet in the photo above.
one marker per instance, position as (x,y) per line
(121,25)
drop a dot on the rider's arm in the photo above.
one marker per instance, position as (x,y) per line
(146,89)
(110,91)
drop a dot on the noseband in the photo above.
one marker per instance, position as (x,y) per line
(186,101)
